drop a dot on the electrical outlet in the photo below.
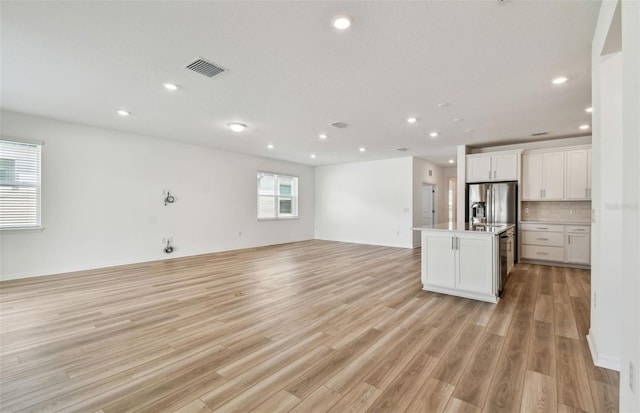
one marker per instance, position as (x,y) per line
(594,299)
(631,377)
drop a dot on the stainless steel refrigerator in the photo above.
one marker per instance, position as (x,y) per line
(492,203)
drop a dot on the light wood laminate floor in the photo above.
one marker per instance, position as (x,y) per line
(311,326)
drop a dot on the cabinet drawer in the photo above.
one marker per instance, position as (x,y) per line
(539,252)
(550,239)
(542,227)
(578,229)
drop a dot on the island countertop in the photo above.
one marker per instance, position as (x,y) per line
(491,229)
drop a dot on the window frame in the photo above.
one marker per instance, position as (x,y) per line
(38,226)
(277,197)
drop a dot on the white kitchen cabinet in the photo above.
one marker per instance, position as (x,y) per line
(556,243)
(543,176)
(485,167)
(578,174)
(578,244)
(459,263)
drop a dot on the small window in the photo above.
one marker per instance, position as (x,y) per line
(19,185)
(277,196)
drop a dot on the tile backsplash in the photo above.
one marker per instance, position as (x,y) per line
(566,211)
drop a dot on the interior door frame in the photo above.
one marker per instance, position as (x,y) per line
(433,201)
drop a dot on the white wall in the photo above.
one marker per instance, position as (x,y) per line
(102,200)
(630,282)
(366,202)
(421,169)
(616,150)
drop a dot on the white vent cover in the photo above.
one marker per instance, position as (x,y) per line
(205,68)
(340,125)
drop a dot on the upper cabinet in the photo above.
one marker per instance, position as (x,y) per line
(498,166)
(542,176)
(578,176)
(556,175)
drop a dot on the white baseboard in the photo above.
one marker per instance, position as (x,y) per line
(601,360)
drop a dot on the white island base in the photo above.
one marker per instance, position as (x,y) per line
(462,260)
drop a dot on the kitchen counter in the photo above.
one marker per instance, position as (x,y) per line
(558,222)
(492,229)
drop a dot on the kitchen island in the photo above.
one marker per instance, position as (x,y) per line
(463,259)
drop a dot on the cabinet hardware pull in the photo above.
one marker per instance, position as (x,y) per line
(586,192)
(541,193)
(494,174)
(542,239)
(453,243)
(542,253)
(542,228)
(569,237)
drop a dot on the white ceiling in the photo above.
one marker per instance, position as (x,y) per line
(291,74)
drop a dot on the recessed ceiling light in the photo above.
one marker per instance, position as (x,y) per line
(443,104)
(270,146)
(589,110)
(451,160)
(322,136)
(583,127)
(559,80)
(458,119)
(341,22)
(362,149)
(123,113)
(236,126)
(313,156)
(433,134)
(170,86)
(412,120)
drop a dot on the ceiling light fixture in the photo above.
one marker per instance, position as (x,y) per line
(170,86)
(434,134)
(312,156)
(458,119)
(589,109)
(443,104)
(270,146)
(322,136)
(412,120)
(236,126)
(451,160)
(362,149)
(583,127)
(341,22)
(559,80)
(123,113)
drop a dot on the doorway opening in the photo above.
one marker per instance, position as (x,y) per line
(428,204)
(452,201)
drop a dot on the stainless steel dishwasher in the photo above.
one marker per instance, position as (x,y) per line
(506,257)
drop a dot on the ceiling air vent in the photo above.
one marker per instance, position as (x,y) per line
(401,149)
(539,133)
(340,125)
(205,68)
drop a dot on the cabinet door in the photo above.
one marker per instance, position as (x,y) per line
(577,174)
(474,262)
(553,176)
(578,248)
(505,167)
(531,177)
(478,168)
(438,260)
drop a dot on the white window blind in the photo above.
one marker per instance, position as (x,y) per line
(19,184)
(277,196)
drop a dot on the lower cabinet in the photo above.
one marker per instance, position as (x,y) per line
(459,264)
(556,243)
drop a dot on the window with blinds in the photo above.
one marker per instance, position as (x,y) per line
(19,184)
(277,196)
